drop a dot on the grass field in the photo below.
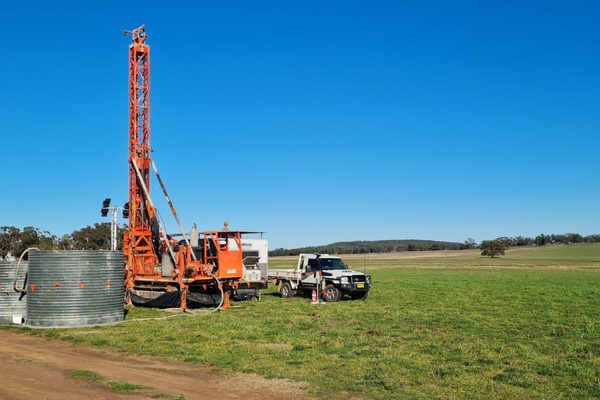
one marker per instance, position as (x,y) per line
(435,326)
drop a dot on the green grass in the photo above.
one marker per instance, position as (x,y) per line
(93,376)
(86,375)
(126,387)
(522,326)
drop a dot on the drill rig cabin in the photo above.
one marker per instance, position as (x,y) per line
(160,271)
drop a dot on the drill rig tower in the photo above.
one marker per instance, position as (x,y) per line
(160,271)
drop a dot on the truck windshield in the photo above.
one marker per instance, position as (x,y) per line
(327,263)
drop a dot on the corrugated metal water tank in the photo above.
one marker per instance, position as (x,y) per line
(13,305)
(74,288)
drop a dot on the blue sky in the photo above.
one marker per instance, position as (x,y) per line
(314,121)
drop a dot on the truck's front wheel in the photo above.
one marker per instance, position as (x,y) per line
(331,293)
(286,290)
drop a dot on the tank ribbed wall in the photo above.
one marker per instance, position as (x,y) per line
(12,304)
(73,288)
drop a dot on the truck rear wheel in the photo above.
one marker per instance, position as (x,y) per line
(331,293)
(286,290)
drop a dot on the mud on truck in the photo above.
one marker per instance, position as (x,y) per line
(326,274)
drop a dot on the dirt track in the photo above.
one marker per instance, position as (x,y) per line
(37,368)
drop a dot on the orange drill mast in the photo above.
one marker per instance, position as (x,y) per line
(141,254)
(158,265)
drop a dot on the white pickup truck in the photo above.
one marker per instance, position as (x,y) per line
(323,273)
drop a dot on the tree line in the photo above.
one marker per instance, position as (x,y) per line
(14,241)
(498,246)
(494,246)
(373,246)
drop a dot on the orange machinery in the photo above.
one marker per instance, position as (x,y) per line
(160,271)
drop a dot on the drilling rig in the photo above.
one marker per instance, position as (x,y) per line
(160,271)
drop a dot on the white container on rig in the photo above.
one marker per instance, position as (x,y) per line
(255,254)
(257,248)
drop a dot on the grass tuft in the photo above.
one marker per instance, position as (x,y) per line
(86,375)
(126,386)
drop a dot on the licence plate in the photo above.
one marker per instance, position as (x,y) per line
(360,285)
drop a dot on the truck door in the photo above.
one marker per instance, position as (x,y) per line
(310,273)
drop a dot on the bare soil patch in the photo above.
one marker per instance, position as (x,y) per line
(33,367)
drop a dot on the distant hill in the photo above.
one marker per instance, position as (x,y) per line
(373,246)
(391,246)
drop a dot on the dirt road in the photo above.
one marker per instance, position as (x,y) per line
(32,367)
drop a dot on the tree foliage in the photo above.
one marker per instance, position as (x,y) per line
(493,248)
(14,241)
(469,244)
